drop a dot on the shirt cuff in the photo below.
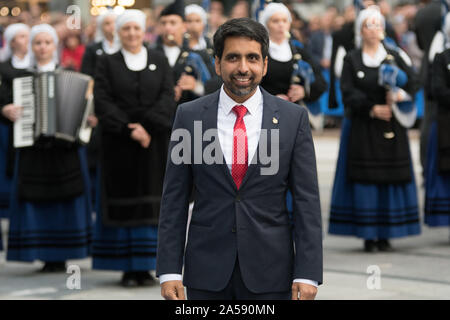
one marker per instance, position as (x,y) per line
(306,281)
(170,277)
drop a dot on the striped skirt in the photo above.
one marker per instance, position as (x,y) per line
(50,231)
(437,186)
(5,181)
(122,249)
(371,211)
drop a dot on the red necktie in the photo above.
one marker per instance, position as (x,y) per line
(240,147)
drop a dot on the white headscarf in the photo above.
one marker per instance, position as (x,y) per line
(99,36)
(10,33)
(271,9)
(370,12)
(131,15)
(44,28)
(195,8)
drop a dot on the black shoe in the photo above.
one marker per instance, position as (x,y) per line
(54,267)
(370,246)
(144,278)
(129,280)
(384,245)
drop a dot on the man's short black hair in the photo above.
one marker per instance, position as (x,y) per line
(242,27)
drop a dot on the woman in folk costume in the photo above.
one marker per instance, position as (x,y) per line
(17,59)
(374,194)
(106,42)
(134,100)
(291,74)
(437,174)
(50,212)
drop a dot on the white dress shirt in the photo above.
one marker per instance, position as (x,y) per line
(172,54)
(226,119)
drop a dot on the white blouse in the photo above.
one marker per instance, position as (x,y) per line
(135,62)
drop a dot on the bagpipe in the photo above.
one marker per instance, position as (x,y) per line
(303,75)
(391,77)
(194,65)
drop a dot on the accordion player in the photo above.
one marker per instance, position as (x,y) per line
(55,105)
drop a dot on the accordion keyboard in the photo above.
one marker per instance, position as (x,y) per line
(24,97)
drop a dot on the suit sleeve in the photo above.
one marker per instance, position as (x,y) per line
(112,119)
(306,206)
(439,83)
(354,99)
(160,116)
(174,209)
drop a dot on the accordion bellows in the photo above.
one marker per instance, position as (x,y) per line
(55,104)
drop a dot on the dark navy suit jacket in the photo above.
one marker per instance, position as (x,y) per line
(252,223)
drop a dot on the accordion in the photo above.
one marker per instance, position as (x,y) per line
(55,104)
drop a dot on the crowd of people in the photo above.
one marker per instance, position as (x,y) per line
(69,201)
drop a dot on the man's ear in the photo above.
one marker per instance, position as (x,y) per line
(266,63)
(217,65)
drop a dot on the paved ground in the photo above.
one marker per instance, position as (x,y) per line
(418,269)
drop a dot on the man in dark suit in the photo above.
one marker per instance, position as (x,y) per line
(241,239)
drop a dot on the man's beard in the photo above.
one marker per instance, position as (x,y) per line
(241,91)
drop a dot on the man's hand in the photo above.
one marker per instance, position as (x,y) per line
(296,92)
(283,96)
(303,291)
(12,112)
(178,92)
(140,135)
(187,83)
(173,290)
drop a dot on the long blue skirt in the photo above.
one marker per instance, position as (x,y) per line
(51,231)
(5,182)
(371,211)
(122,249)
(437,186)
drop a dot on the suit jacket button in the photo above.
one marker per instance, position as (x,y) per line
(238,198)
(233,230)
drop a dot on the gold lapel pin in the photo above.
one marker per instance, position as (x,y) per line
(275,120)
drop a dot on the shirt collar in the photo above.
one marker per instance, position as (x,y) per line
(21,63)
(49,67)
(281,52)
(253,104)
(376,61)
